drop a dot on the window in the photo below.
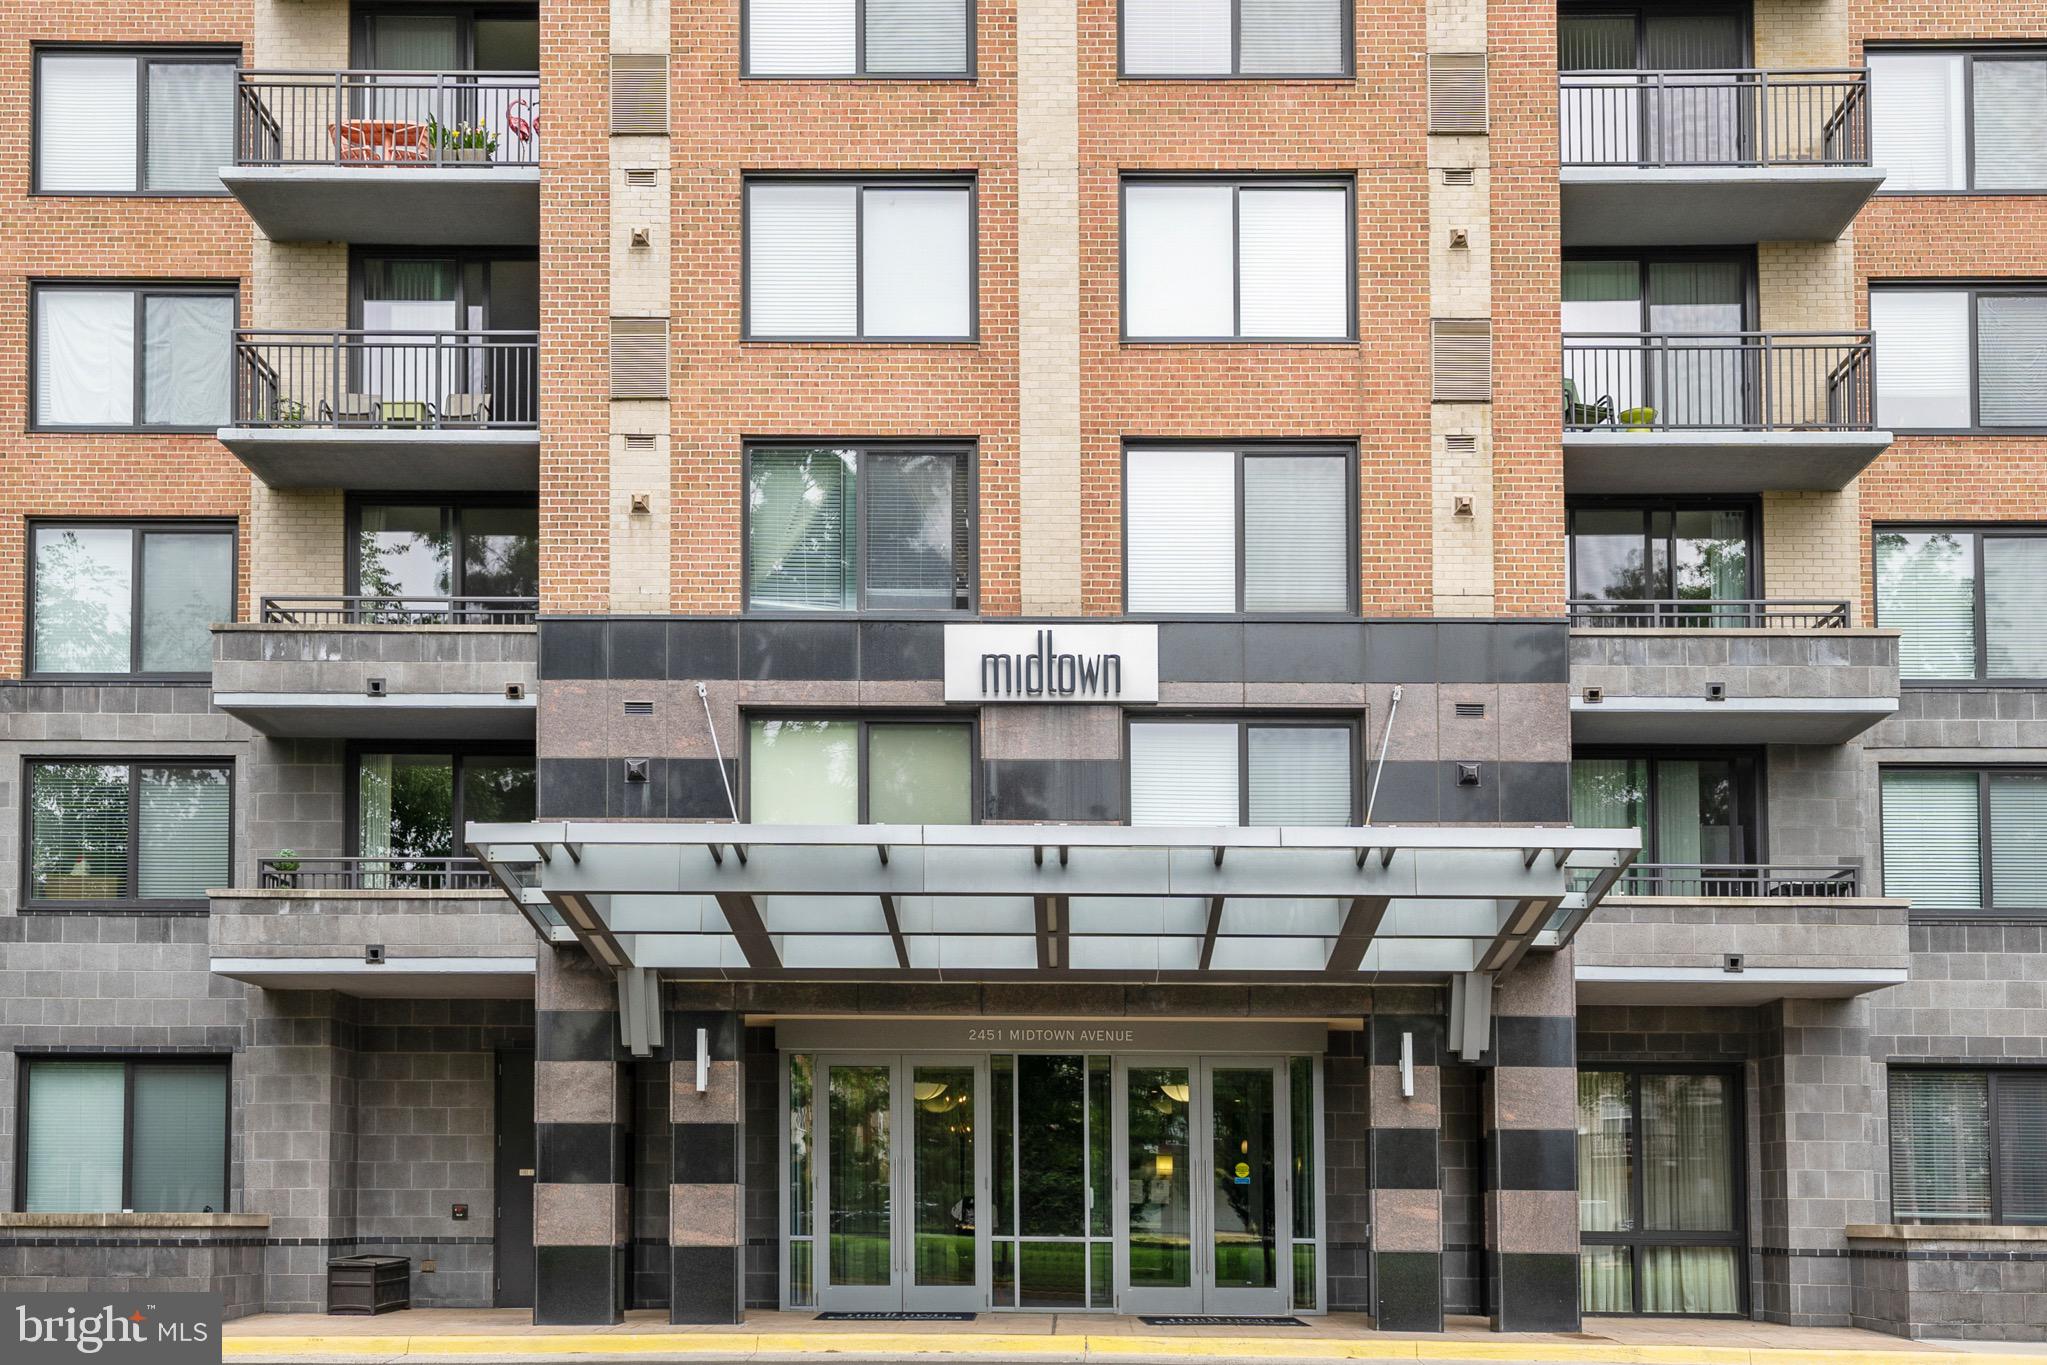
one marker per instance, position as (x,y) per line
(149,122)
(413,553)
(1960,358)
(1260,530)
(1665,333)
(1968,1146)
(411,807)
(892,38)
(1266,260)
(118,600)
(1236,37)
(1686,555)
(1943,854)
(807,770)
(1949,120)
(857,528)
(118,358)
(1243,772)
(1695,811)
(1965,601)
(888,260)
(115,1135)
(114,834)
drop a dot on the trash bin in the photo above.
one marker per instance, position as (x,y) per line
(368,1285)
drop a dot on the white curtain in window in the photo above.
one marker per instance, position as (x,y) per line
(1296,533)
(916,36)
(74,1137)
(180,1161)
(2011,355)
(2010,107)
(1940,1147)
(1295,262)
(1180,530)
(187,340)
(802,276)
(1176,37)
(1926,590)
(801,508)
(84,599)
(85,357)
(803,772)
(2018,841)
(188,586)
(1183,773)
(1931,833)
(85,123)
(1922,357)
(2014,585)
(373,818)
(1606,1152)
(799,37)
(916,262)
(191,124)
(1300,775)
(1178,255)
(182,832)
(1917,124)
(1291,37)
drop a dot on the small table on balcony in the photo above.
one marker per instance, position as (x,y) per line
(372,139)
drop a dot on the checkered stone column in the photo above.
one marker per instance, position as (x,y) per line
(1531,1120)
(706,1208)
(1406,1166)
(581,1219)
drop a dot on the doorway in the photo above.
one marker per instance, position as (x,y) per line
(517,1157)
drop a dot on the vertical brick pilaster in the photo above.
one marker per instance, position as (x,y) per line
(1407,1172)
(1532,1149)
(581,1222)
(706,1218)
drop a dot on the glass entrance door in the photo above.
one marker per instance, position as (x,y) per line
(1246,1180)
(857,1189)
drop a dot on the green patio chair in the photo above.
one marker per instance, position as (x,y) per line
(1578,413)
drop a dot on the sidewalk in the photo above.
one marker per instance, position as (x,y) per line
(472,1335)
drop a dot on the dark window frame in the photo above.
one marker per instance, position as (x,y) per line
(1981,531)
(142,291)
(1985,841)
(450,504)
(1971,52)
(178,54)
(129,1061)
(1994,1134)
(361,26)
(1268,180)
(1640,12)
(1251,450)
(1347,22)
(860,72)
(862,181)
(360,258)
(457,752)
(1750,503)
(865,721)
(1247,721)
(1974,290)
(1751,787)
(1644,257)
(141,529)
(134,902)
(863,448)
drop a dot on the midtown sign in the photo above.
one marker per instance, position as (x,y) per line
(1070,663)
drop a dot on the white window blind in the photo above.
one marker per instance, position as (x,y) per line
(188,586)
(917,274)
(2014,586)
(1926,589)
(1176,37)
(85,357)
(2011,354)
(180,1163)
(1183,773)
(78,831)
(1922,357)
(1930,839)
(1294,252)
(74,1143)
(1296,533)
(2018,841)
(187,345)
(2022,1146)
(800,37)
(1940,1147)
(916,37)
(191,125)
(802,273)
(1291,37)
(183,832)
(1917,132)
(1300,775)
(2010,105)
(914,506)
(1178,258)
(85,123)
(800,517)
(1180,529)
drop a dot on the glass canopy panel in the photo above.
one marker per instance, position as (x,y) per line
(701,950)
(1138,914)
(1116,953)
(966,915)
(1270,955)
(822,914)
(981,953)
(1248,916)
(813,951)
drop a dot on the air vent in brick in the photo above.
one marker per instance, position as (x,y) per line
(1466,710)
(639,708)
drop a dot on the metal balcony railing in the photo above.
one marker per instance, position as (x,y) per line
(373,874)
(1735,116)
(1740,381)
(1715,614)
(396,381)
(1739,879)
(367,610)
(479,119)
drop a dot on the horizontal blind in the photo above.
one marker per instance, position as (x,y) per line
(1930,839)
(1922,357)
(908,555)
(921,37)
(916,258)
(2014,582)
(2018,841)
(1296,533)
(639,94)
(1917,125)
(182,832)
(2011,355)
(191,124)
(1457,92)
(1300,775)
(1940,1147)
(187,344)
(1291,37)
(1180,530)
(78,831)
(1179,260)
(1461,360)
(74,1123)
(84,599)
(800,518)
(180,1162)
(1183,773)
(800,37)
(2022,1146)
(1926,589)
(1294,259)
(85,123)
(1176,37)
(2010,99)
(801,270)
(188,586)
(85,357)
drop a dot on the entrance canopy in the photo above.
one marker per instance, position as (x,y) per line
(998,902)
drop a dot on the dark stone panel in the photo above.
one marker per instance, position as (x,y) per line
(1304,652)
(1089,789)
(578,1286)
(1408,1291)
(1464,652)
(572,788)
(1400,652)
(1201,652)
(785,651)
(1474,805)
(572,649)
(695,790)
(575,1035)
(1531,652)
(723,1041)
(1532,793)
(1535,1040)
(625,800)
(1405,1159)
(1535,1159)
(902,651)
(706,1153)
(652,1274)
(703,650)
(706,1285)
(638,649)
(1409,793)
(581,1154)
(1428,1038)
(1535,1292)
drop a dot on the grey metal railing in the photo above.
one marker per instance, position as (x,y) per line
(1732,116)
(1739,879)
(1772,613)
(1745,381)
(392,873)
(475,119)
(371,610)
(454,380)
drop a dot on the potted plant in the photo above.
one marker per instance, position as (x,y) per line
(460,141)
(291,412)
(1638,419)
(285,867)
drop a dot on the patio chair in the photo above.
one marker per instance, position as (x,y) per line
(351,409)
(1578,413)
(466,407)
(407,412)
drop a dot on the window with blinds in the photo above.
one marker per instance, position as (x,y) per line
(1166,38)
(859,529)
(1965,601)
(836,260)
(124,833)
(891,38)
(1958,120)
(128,600)
(1958,358)
(1251,260)
(109,358)
(1968,1146)
(1241,772)
(138,122)
(1966,839)
(87,1153)
(1255,530)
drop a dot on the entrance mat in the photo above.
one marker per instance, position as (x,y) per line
(897,1317)
(1220,1321)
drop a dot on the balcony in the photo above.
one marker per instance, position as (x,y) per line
(1739,934)
(437,158)
(1718,412)
(392,411)
(1709,158)
(381,668)
(1742,672)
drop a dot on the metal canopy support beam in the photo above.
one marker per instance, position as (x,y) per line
(639,1010)
(1215,924)
(744,917)
(1471,1014)
(1360,925)
(1052,925)
(1517,933)
(895,925)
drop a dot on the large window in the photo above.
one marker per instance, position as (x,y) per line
(117,834)
(1966,840)
(132,357)
(1958,120)
(1690,554)
(1659,1190)
(129,600)
(1243,772)
(826,770)
(1960,357)
(859,528)
(883,260)
(1259,260)
(412,804)
(1696,812)
(1659,332)
(1261,529)
(1236,37)
(124,1135)
(1966,601)
(413,552)
(882,38)
(136,122)
(1968,1146)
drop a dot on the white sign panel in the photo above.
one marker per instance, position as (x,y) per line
(1041,662)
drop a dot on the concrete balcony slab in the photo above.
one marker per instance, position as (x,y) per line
(384,205)
(1612,460)
(389,460)
(1711,205)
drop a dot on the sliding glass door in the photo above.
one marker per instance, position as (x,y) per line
(1684,556)
(1660,335)
(1695,114)
(1696,813)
